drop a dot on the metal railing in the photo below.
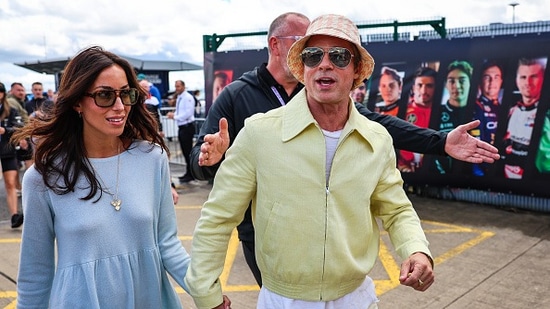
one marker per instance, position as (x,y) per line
(170,129)
(490,30)
(257,39)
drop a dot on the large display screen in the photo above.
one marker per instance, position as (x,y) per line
(440,84)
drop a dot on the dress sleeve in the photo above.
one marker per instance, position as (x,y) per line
(37,260)
(174,256)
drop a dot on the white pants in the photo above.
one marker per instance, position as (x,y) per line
(363,297)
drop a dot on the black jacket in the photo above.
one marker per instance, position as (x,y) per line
(38,103)
(257,91)
(9,123)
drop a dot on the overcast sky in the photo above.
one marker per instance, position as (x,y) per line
(32,30)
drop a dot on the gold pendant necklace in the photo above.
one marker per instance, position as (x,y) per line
(115,201)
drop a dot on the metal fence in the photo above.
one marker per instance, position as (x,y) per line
(170,129)
(489,30)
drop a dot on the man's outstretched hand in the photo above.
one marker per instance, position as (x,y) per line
(462,146)
(215,145)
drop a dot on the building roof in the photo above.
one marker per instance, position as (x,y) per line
(53,66)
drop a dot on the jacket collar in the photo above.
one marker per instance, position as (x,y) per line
(297,117)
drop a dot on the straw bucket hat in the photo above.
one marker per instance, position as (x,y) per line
(336,26)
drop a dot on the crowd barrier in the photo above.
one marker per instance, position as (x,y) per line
(170,129)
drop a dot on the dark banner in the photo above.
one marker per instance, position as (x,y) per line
(223,67)
(440,84)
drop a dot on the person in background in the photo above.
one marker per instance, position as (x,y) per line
(38,105)
(23,151)
(100,226)
(487,108)
(390,87)
(152,104)
(17,91)
(521,116)
(221,79)
(21,111)
(17,100)
(418,113)
(51,95)
(454,111)
(327,266)
(542,160)
(8,157)
(198,108)
(153,90)
(359,94)
(457,83)
(185,119)
(268,86)
(271,85)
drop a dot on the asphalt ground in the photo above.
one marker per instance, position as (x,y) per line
(485,257)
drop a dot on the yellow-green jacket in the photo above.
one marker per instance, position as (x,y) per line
(314,240)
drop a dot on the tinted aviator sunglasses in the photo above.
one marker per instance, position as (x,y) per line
(339,56)
(107,98)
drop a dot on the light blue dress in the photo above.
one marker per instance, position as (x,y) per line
(105,258)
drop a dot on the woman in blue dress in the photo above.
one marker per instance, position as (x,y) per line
(99,192)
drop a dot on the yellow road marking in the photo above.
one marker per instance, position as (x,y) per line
(10,240)
(9,294)
(392,268)
(390,265)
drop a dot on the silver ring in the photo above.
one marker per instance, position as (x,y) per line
(420,282)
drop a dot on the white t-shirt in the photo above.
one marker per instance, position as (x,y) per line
(331,141)
(363,297)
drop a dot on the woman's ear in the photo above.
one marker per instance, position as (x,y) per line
(77,108)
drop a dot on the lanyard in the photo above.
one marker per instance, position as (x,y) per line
(278,95)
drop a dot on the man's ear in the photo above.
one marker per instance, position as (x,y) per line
(358,70)
(272,45)
(357,73)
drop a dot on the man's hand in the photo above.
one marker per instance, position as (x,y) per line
(214,145)
(225,305)
(417,272)
(462,146)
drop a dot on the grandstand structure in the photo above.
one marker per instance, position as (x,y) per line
(490,30)
(377,32)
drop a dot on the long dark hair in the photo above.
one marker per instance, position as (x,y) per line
(4,102)
(60,156)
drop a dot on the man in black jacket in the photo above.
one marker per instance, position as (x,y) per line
(272,85)
(38,105)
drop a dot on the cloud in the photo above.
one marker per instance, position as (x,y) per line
(173,30)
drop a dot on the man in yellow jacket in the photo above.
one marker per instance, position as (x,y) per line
(315,202)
